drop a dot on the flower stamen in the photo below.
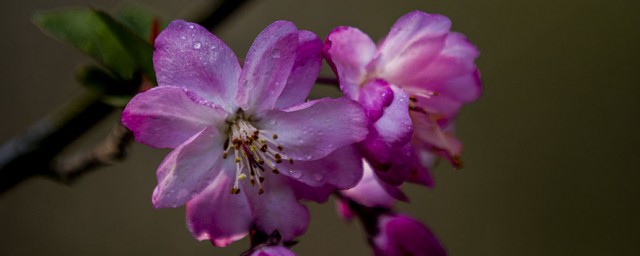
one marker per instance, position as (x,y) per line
(254,151)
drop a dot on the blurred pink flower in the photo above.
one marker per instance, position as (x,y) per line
(400,235)
(412,85)
(246,145)
(272,251)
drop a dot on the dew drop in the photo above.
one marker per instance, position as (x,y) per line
(197,45)
(190,26)
(275,55)
(295,175)
(317,177)
(183,37)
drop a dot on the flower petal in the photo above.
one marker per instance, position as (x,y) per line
(421,173)
(456,59)
(272,251)
(165,117)
(344,211)
(400,166)
(187,55)
(216,214)
(392,130)
(413,42)
(305,70)
(375,96)
(430,135)
(395,125)
(370,191)
(452,78)
(267,67)
(341,169)
(348,51)
(403,235)
(188,169)
(317,194)
(450,95)
(278,208)
(313,130)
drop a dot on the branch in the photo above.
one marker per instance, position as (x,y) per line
(222,11)
(112,149)
(30,154)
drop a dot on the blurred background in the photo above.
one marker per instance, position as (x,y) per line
(550,149)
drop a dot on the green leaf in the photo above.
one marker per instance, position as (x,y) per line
(111,90)
(138,48)
(100,36)
(140,20)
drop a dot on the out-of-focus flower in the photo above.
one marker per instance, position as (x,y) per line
(412,85)
(272,251)
(372,192)
(246,144)
(400,235)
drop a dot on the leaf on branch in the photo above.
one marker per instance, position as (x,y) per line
(112,90)
(102,37)
(140,20)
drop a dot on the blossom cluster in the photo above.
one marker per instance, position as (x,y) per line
(248,146)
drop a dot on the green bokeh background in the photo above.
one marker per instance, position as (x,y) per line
(550,149)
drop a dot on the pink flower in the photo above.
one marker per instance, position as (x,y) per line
(246,145)
(272,251)
(401,235)
(412,85)
(371,192)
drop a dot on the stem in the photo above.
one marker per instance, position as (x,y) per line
(328,81)
(368,216)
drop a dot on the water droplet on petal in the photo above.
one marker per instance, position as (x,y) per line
(294,174)
(190,26)
(317,177)
(183,37)
(197,45)
(276,55)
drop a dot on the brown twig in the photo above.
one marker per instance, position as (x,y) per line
(111,150)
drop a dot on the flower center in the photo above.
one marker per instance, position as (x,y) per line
(254,151)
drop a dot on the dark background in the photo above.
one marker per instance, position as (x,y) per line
(550,149)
